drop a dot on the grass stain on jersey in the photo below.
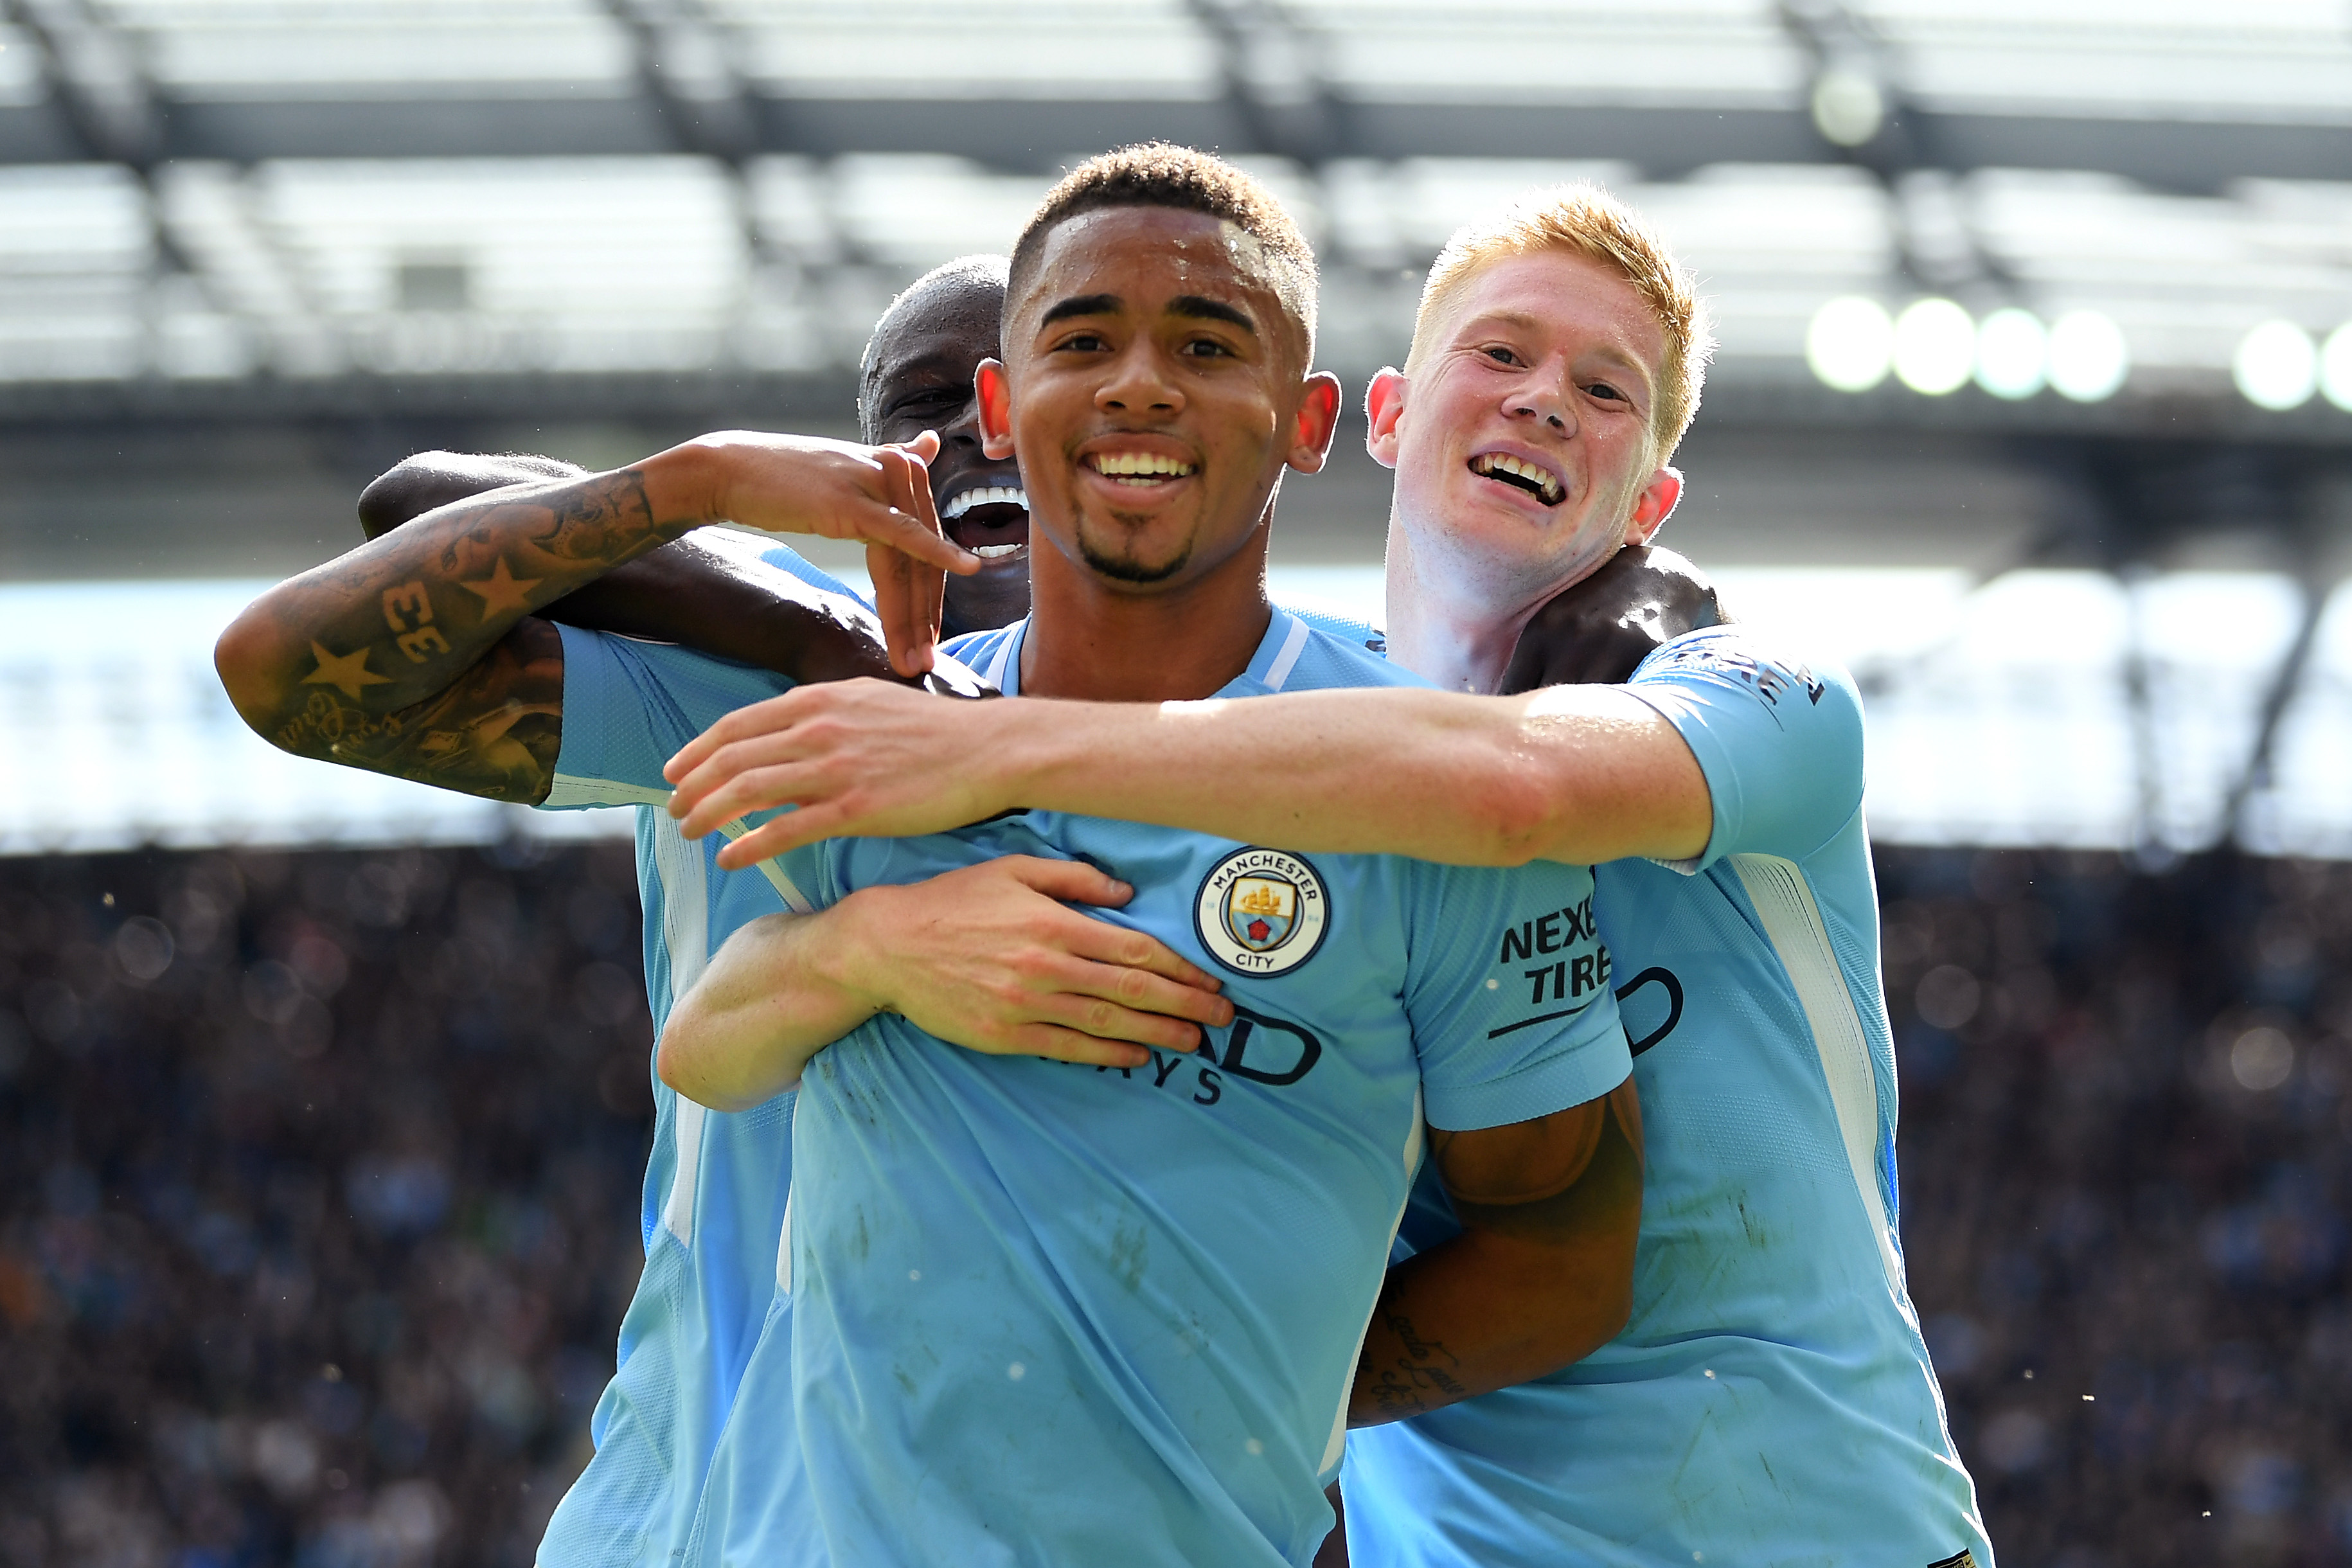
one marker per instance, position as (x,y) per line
(1128,1249)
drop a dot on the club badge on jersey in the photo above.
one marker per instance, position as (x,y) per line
(1261,912)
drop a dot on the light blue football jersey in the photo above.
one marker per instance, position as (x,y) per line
(1043,1313)
(1771,1402)
(716,1183)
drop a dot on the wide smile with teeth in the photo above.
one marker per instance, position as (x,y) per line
(973,514)
(1138,468)
(1537,481)
(985,495)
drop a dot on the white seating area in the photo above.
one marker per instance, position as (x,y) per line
(1998,715)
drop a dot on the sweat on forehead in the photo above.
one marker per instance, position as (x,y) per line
(1159,174)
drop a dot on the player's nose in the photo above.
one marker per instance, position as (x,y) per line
(1138,381)
(1546,397)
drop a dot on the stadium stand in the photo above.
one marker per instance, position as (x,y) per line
(2124,1195)
(319,1174)
(322,1174)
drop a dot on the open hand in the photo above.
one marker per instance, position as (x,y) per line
(838,490)
(993,958)
(859,758)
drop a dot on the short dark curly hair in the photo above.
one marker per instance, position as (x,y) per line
(1163,174)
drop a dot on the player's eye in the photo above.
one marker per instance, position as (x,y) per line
(1084,342)
(930,397)
(1602,389)
(1500,354)
(1206,348)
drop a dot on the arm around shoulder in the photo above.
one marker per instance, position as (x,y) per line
(1778,740)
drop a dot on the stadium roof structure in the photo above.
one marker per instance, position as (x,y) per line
(2043,283)
(2170,92)
(203,202)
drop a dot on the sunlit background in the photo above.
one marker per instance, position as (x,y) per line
(2033,324)
(2034,407)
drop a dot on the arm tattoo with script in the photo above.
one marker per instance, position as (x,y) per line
(416,655)
(1420,1377)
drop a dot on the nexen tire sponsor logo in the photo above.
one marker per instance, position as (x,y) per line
(1576,979)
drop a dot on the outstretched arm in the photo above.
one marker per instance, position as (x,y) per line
(1581,773)
(1541,1276)
(417,654)
(1575,774)
(709,591)
(990,957)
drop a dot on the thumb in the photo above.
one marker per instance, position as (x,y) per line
(924,446)
(1072,881)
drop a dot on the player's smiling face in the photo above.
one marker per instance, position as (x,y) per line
(1524,433)
(1153,386)
(922,379)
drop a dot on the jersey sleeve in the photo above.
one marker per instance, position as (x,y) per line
(628,706)
(1507,989)
(1779,739)
(785,558)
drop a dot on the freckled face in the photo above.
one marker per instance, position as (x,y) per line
(1155,383)
(1525,435)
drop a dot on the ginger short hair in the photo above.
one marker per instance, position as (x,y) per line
(1162,175)
(1585,220)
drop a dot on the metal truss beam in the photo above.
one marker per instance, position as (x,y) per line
(1023,134)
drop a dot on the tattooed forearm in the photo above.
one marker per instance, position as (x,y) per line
(1420,1375)
(405,657)
(495,733)
(594,525)
(1541,1276)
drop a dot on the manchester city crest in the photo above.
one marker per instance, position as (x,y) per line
(1261,912)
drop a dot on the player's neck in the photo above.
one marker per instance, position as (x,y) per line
(1442,624)
(1088,641)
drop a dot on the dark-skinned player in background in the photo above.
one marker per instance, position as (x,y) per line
(1769,1400)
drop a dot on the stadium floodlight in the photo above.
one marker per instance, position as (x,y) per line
(2088,357)
(1848,107)
(2335,367)
(1851,343)
(1935,346)
(2012,353)
(2275,366)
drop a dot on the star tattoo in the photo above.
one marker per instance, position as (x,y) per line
(347,673)
(502,590)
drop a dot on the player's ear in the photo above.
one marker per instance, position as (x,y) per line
(1318,421)
(994,393)
(1383,406)
(1655,505)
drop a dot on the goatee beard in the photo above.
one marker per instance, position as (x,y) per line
(1125,569)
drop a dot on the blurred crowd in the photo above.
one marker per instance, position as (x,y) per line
(2125,1191)
(318,1198)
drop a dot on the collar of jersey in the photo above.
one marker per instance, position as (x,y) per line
(1269,667)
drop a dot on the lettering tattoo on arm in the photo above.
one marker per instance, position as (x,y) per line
(417,656)
(1423,1368)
